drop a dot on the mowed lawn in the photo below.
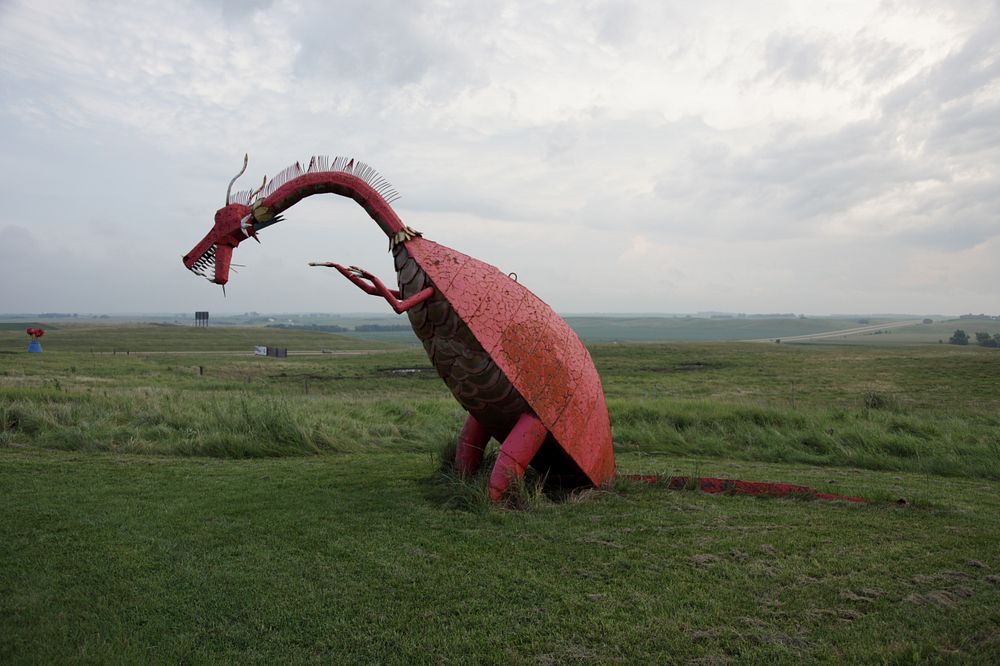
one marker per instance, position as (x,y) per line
(291,510)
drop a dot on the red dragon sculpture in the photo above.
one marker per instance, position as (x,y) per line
(513,364)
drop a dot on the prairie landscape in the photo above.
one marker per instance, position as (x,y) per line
(170,497)
(763,220)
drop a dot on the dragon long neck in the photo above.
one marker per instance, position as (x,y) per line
(345,177)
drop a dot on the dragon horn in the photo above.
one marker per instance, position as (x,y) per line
(246,160)
(258,190)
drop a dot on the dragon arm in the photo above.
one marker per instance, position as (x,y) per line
(375,287)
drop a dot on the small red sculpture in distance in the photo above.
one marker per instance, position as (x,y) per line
(35,333)
(513,364)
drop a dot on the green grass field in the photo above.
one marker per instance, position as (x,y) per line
(687,329)
(591,328)
(292,509)
(168,338)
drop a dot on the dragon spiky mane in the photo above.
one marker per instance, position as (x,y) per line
(319,163)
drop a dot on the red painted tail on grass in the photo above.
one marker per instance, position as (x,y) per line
(715,486)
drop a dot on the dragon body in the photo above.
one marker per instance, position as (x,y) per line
(515,366)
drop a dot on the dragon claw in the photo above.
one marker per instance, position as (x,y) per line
(346,271)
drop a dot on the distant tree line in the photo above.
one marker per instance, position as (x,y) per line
(986,340)
(380,328)
(959,337)
(322,328)
(334,328)
(983,339)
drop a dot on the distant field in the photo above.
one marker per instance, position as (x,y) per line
(592,329)
(20,326)
(597,329)
(922,334)
(673,329)
(610,328)
(161,508)
(407,338)
(146,337)
(106,336)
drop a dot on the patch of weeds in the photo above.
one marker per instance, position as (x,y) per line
(526,494)
(901,448)
(876,400)
(814,442)
(704,560)
(471,492)
(20,418)
(446,457)
(459,492)
(911,427)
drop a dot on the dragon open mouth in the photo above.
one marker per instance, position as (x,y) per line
(205,265)
(210,258)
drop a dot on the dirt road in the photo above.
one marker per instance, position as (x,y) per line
(860,330)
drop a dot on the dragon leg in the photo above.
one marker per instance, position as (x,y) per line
(516,453)
(471,444)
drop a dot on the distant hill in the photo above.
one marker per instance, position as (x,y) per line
(675,329)
(315,332)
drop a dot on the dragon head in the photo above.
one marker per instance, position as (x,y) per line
(234,223)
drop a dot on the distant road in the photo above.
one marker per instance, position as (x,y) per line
(842,332)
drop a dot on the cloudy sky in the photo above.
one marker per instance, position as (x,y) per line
(620,156)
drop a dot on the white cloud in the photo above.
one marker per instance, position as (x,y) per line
(720,155)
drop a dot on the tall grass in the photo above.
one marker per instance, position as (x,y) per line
(226,425)
(932,410)
(470,492)
(867,438)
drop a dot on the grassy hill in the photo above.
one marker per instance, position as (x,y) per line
(294,510)
(610,328)
(20,326)
(671,329)
(923,334)
(301,332)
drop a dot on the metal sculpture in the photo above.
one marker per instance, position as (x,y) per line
(35,346)
(513,364)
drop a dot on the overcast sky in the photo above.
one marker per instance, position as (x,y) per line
(765,156)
